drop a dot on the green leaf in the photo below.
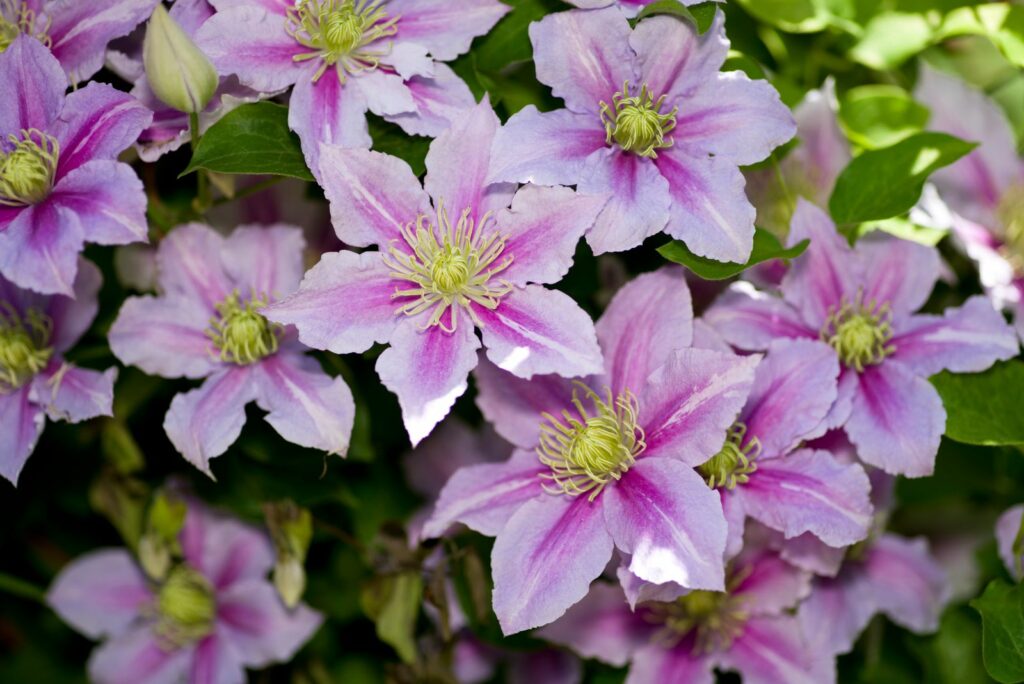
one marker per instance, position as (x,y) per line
(1001,23)
(953,654)
(876,116)
(766,247)
(984,408)
(701,16)
(880,184)
(905,229)
(793,16)
(1002,634)
(253,139)
(390,139)
(890,39)
(393,602)
(509,41)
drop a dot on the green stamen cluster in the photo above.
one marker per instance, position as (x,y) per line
(636,122)
(734,463)
(1011,214)
(16,18)
(587,450)
(713,618)
(450,267)
(24,346)
(186,607)
(860,333)
(339,32)
(241,334)
(28,164)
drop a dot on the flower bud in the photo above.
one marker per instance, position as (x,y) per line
(291,529)
(289,580)
(159,543)
(178,72)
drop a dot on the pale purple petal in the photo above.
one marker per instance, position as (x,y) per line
(35,84)
(384,93)
(327,113)
(536,331)
(428,371)
(258,627)
(189,264)
(439,99)
(514,406)
(372,195)
(485,496)
(344,304)
(80,31)
(109,200)
(663,513)
(770,585)
(136,656)
(253,44)
(21,423)
(443,27)
(907,583)
(39,249)
(548,148)
(305,405)
(601,626)
(807,552)
(204,422)
(545,559)
(266,260)
(215,662)
(749,319)
(691,401)
(453,445)
(74,394)
(674,61)
(967,339)
(823,151)
(72,317)
(679,663)
(100,593)
(897,420)
(641,591)
(584,56)
(773,651)
(408,60)
(836,612)
(164,336)
(548,666)
(541,230)
(225,550)
(272,6)
(97,122)
(1007,530)
(898,272)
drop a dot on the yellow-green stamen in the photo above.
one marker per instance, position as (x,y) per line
(712,618)
(735,462)
(342,34)
(186,607)
(28,165)
(17,18)
(859,332)
(241,334)
(24,346)
(586,450)
(636,123)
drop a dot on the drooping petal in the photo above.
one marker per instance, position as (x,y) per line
(749,319)
(344,303)
(439,99)
(21,423)
(639,591)
(327,113)
(253,44)
(514,406)
(266,260)
(39,249)
(1007,530)
(536,331)
(663,513)
(75,394)
(770,585)
(137,656)
(80,31)
(225,550)
(189,264)
(897,420)
(638,199)
(72,317)
(680,663)
(445,28)
(647,321)
(898,272)
(215,662)
(545,559)
(428,371)
(772,650)
(35,83)
(692,400)
(100,593)
(807,552)
(204,422)
(108,199)
(258,627)
(485,496)
(548,148)
(164,336)
(584,56)
(967,339)
(541,230)
(836,612)
(98,122)
(907,583)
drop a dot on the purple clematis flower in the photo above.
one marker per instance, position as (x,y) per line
(60,182)
(1008,536)
(861,302)
(651,121)
(746,629)
(431,284)
(76,32)
(605,463)
(208,324)
(35,380)
(985,189)
(212,616)
(345,57)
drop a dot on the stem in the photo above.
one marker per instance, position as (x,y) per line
(21,588)
(203,200)
(249,191)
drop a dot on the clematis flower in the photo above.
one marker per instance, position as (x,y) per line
(745,629)
(630,7)
(861,302)
(605,463)
(1008,537)
(60,182)
(214,615)
(651,121)
(35,381)
(76,33)
(985,189)
(208,324)
(454,255)
(345,57)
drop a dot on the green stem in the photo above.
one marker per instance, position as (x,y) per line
(21,588)
(249,191)
(203,200)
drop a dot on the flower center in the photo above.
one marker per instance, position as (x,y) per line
(587,450)
(449,267)
(860,333)
(24,349)
(713,618)
(16,18)
(186,606)
(1011,214)
(28,164)
(341,33)
(636,122)
(241,334)
(735,462)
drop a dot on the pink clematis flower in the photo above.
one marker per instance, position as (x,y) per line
(432,283)
(985,189)
(208,324)
(35,380)
(861,302)
(214,615)
(651,121)
(345,57)
(60,182)
(605,463)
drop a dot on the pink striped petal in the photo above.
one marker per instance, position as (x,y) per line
(601,626)
(215,663)
(72,317)
(164,336)
(750,320)
(898,272)
(907,583)
(79,32)
(39,249)
(327,113)
(772,650)
(109,200)
(137,656)
(21,423)
(100,593)
(679,663)
(674,61)
(189,264)
(253,44)
(75,394)
(35,83)
(444,28)
(257,627)
(226,551)
(98,122)
(440,99)
(514,406)
(548,148)
(770,586)
(267,260)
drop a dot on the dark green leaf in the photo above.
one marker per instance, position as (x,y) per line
(253,139)
(984,408)
(1002,635)
(880,184)
(953,654)
(701,15)
(509,41)
(766,247)
(394,604)
(390,139)
(794,16)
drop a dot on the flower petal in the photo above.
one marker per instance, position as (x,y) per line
(327,113)
(189,264)
(225,550)
(136,656)
(771,650)
(679,663)
(444,28)
(770,585)
(836,612)
(79,32)
(440,99)
(98,122)
(39,249)
(674,60)
(164,336)
(1007,529)
(908,584)
(898,272)
(601,626)
(547,148)
(109,200)
(21,423)
(35,83)
(100,593)
(215,663)
(71,318)
(750,320)
(514,406)
(75,394)
(384,93)
(266,260)
(258,627)
(253,44)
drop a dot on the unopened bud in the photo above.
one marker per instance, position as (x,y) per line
(290,580)
(291,529)
(159,543)
(177,71)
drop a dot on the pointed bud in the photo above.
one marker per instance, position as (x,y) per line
(178,72)
(291,529)
(289,580)
(159,544)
